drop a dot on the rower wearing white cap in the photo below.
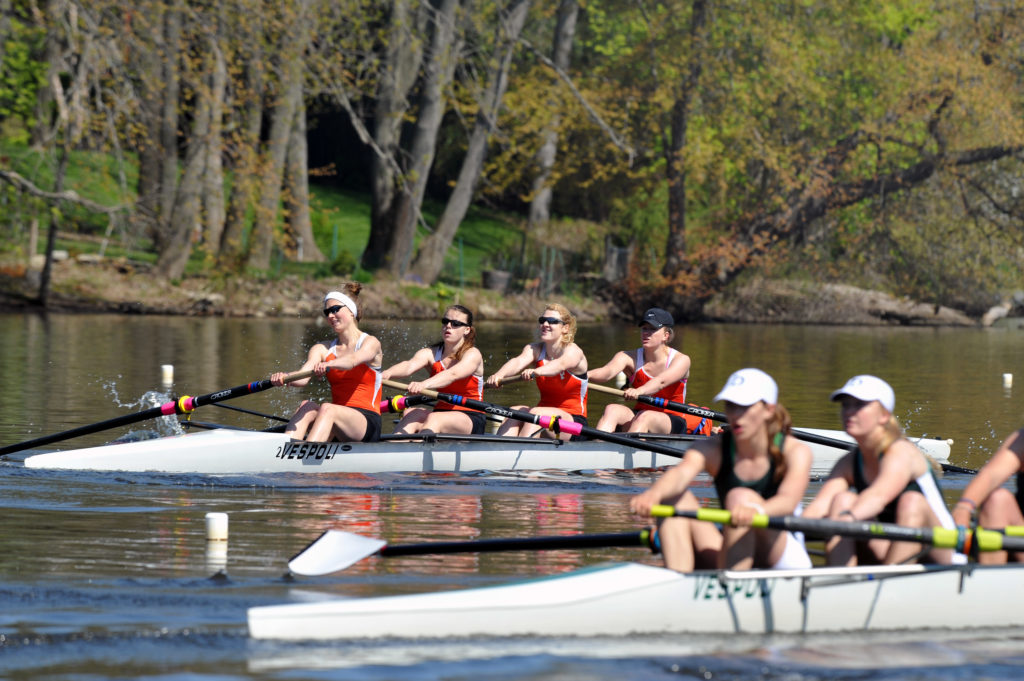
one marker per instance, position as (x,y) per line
(758,468)
(352,365)
(885,477)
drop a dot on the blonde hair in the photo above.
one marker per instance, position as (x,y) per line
(568,323)
(780,424)
(894,432)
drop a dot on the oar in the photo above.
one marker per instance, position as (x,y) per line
(183,405)
(399,403)
(553,423)
(335,550)
(663,403)
(960,539)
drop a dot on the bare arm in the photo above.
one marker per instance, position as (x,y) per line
(1008,460)
(365,354)
(515,365)
(621,361)
(423,358)
(316,353)
(839,480)
(671,485)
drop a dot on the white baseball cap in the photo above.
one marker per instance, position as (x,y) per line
(868,388)
(747,386)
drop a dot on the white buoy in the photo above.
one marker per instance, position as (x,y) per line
(1007,381)
(216,541)
(167,374)
(217,527)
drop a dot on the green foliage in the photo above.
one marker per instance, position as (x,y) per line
(21,77)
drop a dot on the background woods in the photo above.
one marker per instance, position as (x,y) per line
(877,143)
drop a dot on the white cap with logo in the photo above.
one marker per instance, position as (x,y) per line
(747,386)
(868,388)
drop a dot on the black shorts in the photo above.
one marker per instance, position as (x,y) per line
(582,420)
(677,424)
(372,433)
(479,420)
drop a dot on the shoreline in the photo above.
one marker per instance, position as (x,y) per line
(92,285)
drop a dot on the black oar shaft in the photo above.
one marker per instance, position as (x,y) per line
(552,543)
(182,405)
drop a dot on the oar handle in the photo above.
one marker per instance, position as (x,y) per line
(961,539)
(182,405)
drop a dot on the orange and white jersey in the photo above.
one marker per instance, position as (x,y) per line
(471,386)
(675,392)
(358,387)
(565,391)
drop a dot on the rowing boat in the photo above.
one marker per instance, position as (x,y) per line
(230,451)
(621,599)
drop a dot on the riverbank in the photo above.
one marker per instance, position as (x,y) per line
(91,284)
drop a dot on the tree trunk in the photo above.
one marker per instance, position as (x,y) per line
(290,84)
(430,258)
(245,161)
(565,32)
(401,64)
(214,213)
(300,228)
(438,72)
(675,145)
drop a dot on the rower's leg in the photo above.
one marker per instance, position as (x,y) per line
(303,418)
(841,550)
(614,416)
(913,510)
(686,543)
(999,510)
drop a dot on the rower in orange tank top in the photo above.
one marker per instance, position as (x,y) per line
(560,369)
(457,367)
(654,370)
(351,364)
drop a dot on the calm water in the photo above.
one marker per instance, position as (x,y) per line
(108,576)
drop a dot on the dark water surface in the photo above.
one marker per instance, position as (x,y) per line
(109,575)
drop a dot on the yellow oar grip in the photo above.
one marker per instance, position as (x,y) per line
(662,511)
(988,540)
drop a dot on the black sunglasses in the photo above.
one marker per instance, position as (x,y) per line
(549,320)
(456,324)
(333,309)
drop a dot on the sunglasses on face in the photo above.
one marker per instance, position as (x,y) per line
(333,309)
(549,320)
(454,323)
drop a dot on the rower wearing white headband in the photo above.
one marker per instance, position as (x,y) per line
(352,365)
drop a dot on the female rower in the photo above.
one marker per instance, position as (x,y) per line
(758,468)
(351,363)
(654,369)
(455,366)
(995,505)
(885,477)
(560,369)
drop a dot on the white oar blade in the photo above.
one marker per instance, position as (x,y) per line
(334,550)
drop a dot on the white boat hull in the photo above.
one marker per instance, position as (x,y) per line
(225,451)
(626,599)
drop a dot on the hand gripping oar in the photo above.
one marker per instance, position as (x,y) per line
(961,539)
(335,550)
(553,423)
(184,405)
(817,439)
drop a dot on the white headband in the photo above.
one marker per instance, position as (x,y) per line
(345,300)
